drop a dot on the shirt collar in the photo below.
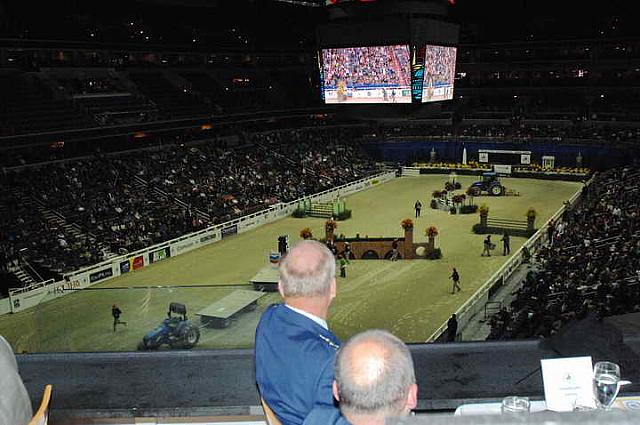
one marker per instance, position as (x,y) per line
(316,319)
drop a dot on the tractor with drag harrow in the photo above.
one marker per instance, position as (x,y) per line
(176,331)
(490,184)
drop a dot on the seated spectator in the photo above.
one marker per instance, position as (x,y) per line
(374,379)
(15,405)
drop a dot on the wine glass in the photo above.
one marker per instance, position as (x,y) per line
(606,376)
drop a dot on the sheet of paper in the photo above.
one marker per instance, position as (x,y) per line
(567,382)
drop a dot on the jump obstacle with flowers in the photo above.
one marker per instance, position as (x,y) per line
(378,248)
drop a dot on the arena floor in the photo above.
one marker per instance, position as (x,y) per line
(410,298)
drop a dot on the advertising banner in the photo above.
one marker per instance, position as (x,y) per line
(100,275)
(125,267)
(229,231)
(209,238)
(159,255)
(137,262)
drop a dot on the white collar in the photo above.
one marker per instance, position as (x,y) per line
(315,318)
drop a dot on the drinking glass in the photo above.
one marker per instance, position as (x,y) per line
(606,376)
(515,404)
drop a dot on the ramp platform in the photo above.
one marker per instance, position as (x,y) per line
(266,279)
(222,312)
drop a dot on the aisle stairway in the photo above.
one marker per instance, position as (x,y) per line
(25,278)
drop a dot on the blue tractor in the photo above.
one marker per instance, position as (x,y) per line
(490,184)
(176,331)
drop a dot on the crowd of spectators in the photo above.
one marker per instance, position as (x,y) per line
(24,231)
(591,264)
(366,66)
(124,202)
(440,65)
(579,131)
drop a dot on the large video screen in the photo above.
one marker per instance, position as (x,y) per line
(439,72)
(379,74)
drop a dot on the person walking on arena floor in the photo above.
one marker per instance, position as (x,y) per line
(418,207)
(506,243)
(343,265)
(375,379)
(487,246)
(455,277)
(116,313)
(294,349)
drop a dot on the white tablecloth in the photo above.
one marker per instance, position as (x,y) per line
(493,408)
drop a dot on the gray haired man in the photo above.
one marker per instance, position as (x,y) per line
(295,350)
(374,379)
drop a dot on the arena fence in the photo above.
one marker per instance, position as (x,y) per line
(477,301)
(33,295)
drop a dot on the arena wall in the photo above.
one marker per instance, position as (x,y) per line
(5,307)
(24,298)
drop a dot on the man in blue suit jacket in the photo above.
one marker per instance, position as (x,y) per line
(295,351)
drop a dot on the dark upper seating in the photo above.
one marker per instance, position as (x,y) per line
(170,100)
(27,107)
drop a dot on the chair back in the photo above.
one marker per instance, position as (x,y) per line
(272,419)
(41,417)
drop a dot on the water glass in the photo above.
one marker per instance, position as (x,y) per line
(606,377)
(515,404)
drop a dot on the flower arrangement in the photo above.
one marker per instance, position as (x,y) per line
(452,165)
(431,232)
(306,233)
(484,209)
(330,225)
(531,213)
(458,199)
(407,223)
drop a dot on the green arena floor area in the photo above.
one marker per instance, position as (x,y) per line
(410,298)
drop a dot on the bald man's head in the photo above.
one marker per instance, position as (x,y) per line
(307,270)
(374,375)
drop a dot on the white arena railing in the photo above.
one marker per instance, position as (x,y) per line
(33,295)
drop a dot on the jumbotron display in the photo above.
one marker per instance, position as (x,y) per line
(439,72)
(379,74)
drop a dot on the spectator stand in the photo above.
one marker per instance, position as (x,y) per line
(589,266)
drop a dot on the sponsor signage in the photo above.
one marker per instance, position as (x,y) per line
(137,262)
(125,267)
(182,247)
(207,238)
(100,275)
(502,168)
(159,255)
(229,231)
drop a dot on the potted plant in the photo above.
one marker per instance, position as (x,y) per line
(306,233)
(330,225)
(407,223)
